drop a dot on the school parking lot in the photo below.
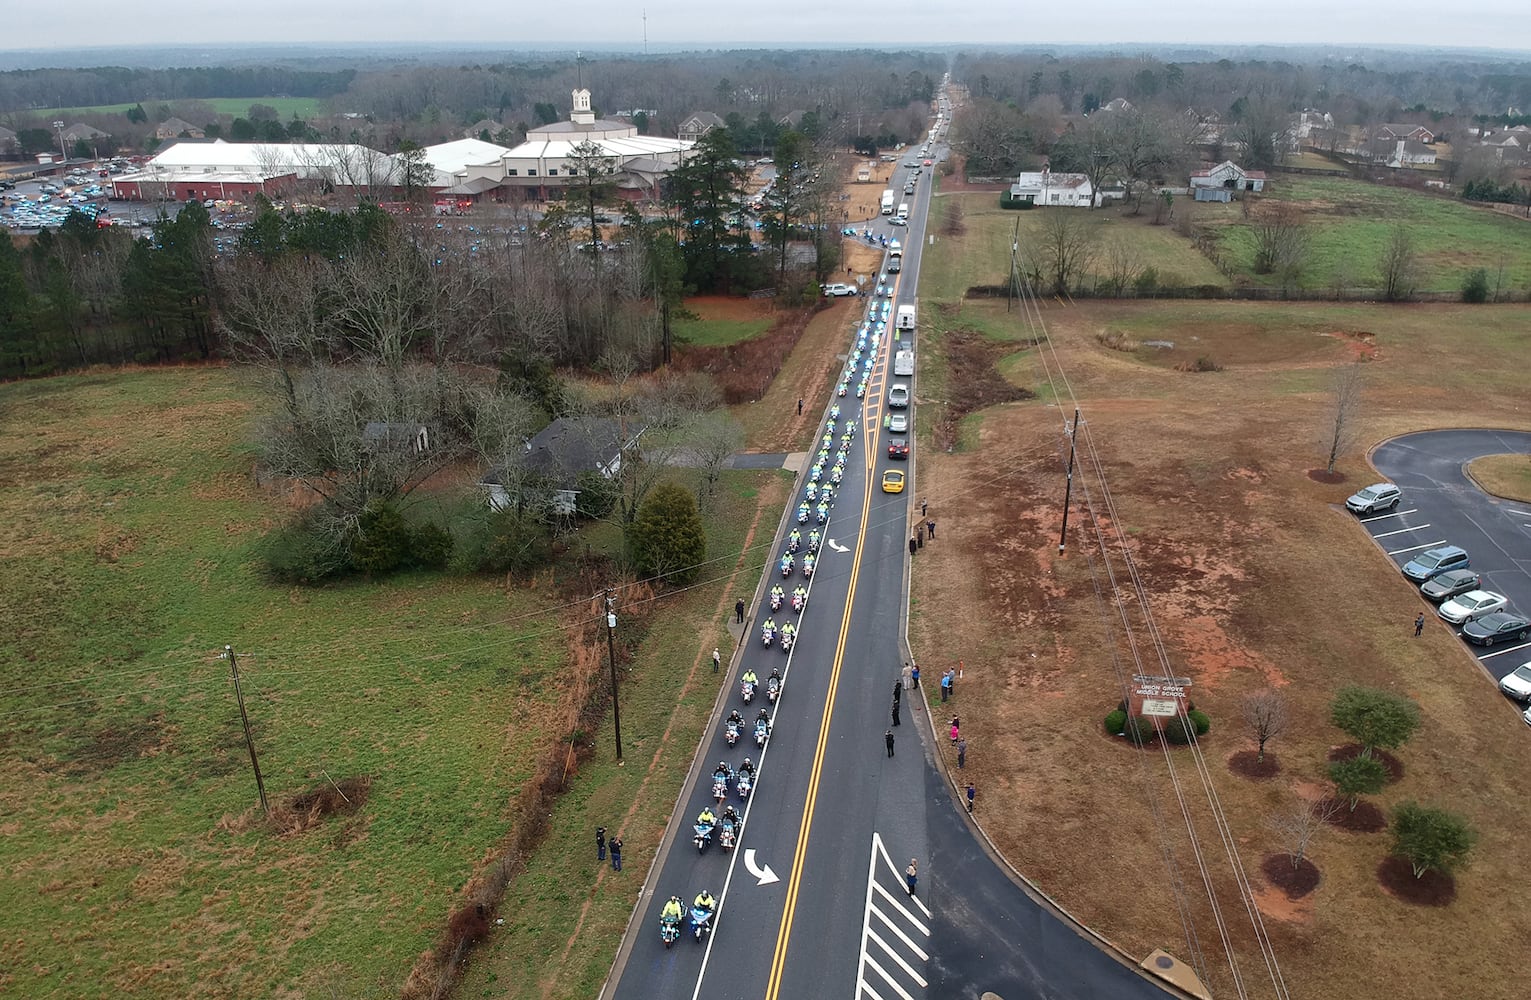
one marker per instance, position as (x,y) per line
(1442,506)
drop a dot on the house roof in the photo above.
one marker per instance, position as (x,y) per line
(704,118)
(481,125)
(179,125)
(1402,129)
(80,130)
(567,447)
(6,133)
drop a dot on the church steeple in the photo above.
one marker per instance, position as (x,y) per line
(582,114)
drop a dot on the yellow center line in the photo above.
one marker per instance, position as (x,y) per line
(778,962)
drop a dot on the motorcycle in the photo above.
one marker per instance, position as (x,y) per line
(776,599)
(726,835)
(822,512)
(767,635)
(787,562)
(701,922)
(834,412)
(802,513)
(719,788)
(773,690)
(703,836)
(794,540)
(744,783)
(731,733)
(840,389)
(747,689)
(808,564)
(813,541)
(812,493)
(799,600)
(762,732)
(787,639)
(669,930)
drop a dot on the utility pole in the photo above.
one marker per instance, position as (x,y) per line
(1013,288)
(611,650)
(239,694)
(1068,489)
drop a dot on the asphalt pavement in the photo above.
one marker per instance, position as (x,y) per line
(1442,506)
(813,899)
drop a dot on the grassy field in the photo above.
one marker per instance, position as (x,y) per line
(1506,476)
(1208,476)
(721,321)
(986,232)
(1351,222)
(287,107)
(134,857)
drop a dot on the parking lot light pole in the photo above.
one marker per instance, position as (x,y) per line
(62,152)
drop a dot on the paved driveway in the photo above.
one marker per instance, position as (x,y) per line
(1442,506)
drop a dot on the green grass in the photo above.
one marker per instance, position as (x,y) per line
(1351,222)
(287,107)
(128,532)
(562,877)
(719,332)
(984,258)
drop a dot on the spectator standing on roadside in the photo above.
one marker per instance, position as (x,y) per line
(739,611)
(717,659)
(1419,625)
(600,843)
(971,793)
(912,875)
(888,739)
(914,674)
(912,545)
(930,528)
(898,691)
(616,853)
(962,754)
(946,685)
(924,507)
(895,711)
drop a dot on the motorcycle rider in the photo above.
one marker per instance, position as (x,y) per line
(707,817)
(813,540)
(672,911)
(788,632)
(704,901)
(729,815)
(795,539)
(799,596)
(734,718)
(748,767)
(750,677)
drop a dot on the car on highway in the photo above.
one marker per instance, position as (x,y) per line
(898,396)
(1517,683)
(1379,496)
(1449,584)
(1474,604)
(911,163)
(893,481)
(928,163)
(898,220)
(1497,627)
(898,448)
(837,289)
(898,423)
(1434,562)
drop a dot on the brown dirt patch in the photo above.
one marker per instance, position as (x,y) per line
(1361,345)
(1396,876)
(745,370)
(1350,751)
(313,806)
(1325,476)
(974,382)
(1247,764)
(1364,818)
(1295,880)
(729,307)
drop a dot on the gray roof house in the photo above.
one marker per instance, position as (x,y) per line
(697,125)
(563,451)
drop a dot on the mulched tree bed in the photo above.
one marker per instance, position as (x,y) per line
(1352,750)
(1246,764)
(1325,476)
(1295,880)
(1396,876)
(1364,818)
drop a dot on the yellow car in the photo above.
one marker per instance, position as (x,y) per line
(893,481)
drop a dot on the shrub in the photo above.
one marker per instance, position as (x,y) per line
(1146,281)
(597,495)
(1201,721)
(300,553)
(667,539)
(381,542)
(1177,731)
(1475,286)
(1140,729)
(1116,721)
(509,541)
(1358,776)
(1374,718)
(1432,839)
(430,546)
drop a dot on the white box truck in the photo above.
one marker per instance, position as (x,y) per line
(905,318)
(887,201)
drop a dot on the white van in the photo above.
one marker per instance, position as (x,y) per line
(905,318)
(903,362)
(903,210)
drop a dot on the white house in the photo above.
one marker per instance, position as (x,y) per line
(1398,153)
(1416,132)
(1218,183)
(558,455)
(1048,188)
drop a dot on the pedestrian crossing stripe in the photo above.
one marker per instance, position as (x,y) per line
(901,925)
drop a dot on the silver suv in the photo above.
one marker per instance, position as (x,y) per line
(1379,496)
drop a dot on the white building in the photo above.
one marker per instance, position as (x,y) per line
(1048,188)
(540,166)
(197,170)
(1218,183)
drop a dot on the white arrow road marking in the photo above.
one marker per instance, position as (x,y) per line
(837,546)
(763,873)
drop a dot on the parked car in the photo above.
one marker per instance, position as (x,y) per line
(893,481)
(898,448)
(1379,496)
(898,423)
(1517,683)
(1497,627)
(1473,604)
(837,289)
(1434,562)
(898,396)
(1449,584)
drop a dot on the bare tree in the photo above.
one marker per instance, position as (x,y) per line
(1266,714)
(1344,411)
(1299,822)
(1066,245)
(716,437)
(1399,265)
(1122,264)
(1283,242)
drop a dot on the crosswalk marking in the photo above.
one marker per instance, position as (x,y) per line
(895,938)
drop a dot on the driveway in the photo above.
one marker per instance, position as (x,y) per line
(1442,506)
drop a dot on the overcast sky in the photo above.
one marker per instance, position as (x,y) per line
(1502,24)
